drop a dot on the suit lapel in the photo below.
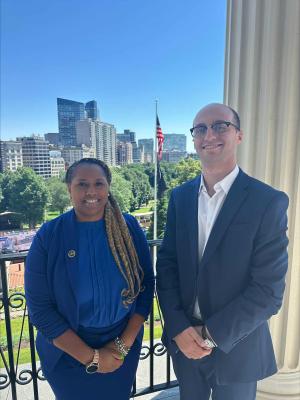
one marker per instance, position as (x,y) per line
(192,218)
(71,249)
(232,203)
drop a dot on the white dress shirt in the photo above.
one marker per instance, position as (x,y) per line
(208,210)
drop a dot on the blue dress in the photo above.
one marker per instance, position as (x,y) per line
(102,317)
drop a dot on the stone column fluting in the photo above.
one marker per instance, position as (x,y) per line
(262,81)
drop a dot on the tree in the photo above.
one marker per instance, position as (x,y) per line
(174,174)
(185,170)
(162,207)
(26,193)
(140,186)
(59,195)
(121,191)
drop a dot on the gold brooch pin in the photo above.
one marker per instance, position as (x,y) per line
(71,253)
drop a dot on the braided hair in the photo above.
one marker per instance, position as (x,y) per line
(119,238)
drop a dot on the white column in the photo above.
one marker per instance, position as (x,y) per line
(262,81)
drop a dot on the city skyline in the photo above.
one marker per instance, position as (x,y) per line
(138,53)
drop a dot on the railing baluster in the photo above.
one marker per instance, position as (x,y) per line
(151,359)
(10,348)
(168,370)
(33,361)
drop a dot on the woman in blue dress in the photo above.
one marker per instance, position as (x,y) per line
(89,287)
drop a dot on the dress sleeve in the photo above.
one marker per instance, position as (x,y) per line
(42,309)
(145,297)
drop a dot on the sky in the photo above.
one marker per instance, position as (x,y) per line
(125,54)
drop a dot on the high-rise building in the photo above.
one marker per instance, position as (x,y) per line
(52,138)
(86,132)
(124,153)
(146,145)
(194,156)
(126,136)
(75,153)
(106,142)
(69,112)
(137,153)
(173,156)
(10,155)
(91,110)
(35,152)
(174,141)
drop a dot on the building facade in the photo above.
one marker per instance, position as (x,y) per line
(174,142)
(57,166)
(69,112)
(86,133)
(35,151)
(91,110)
(147,148)
(106,142)
(52,138)
(11,156)
(124,153)
(173,156)
(126,136)
(75,153)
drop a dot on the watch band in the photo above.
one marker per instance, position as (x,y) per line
(93,366)
(208,341)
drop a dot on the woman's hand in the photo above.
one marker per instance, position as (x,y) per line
(109,358)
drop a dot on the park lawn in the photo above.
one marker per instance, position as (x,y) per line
(16,326)
(24,357)
(145,209)
(51,215)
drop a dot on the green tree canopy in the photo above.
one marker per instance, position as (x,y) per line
(121,190)
(185,170)
(175,175)
(162,207)
(59,195)
(26,193)
(140,186)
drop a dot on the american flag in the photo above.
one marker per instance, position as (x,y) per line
(160,139)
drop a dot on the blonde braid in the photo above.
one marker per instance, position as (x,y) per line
(108,225)
(123,251)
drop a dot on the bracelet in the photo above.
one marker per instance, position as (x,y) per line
(121,346)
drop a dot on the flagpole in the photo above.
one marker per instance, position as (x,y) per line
(155,177)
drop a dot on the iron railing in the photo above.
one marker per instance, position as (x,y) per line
(13,373)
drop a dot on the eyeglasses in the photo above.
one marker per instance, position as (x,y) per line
(218,127)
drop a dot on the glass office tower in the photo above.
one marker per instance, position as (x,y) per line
(91,110)
(68,112)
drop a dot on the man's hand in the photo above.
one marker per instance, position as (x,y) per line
(191,344)
(109,359)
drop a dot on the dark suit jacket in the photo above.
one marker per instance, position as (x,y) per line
(239,281)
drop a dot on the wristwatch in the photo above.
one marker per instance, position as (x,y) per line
(208,342)
(93,366)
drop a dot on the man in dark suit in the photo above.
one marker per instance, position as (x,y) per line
(221,268)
